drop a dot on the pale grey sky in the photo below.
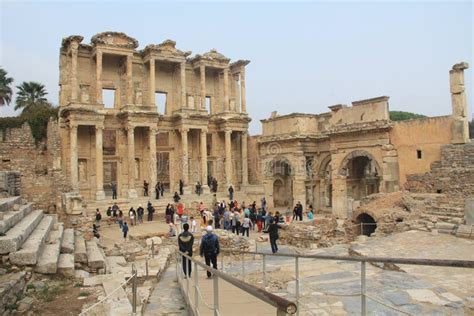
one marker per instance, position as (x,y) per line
(305,56)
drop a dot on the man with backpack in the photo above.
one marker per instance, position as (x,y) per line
(209,249)
(185,243)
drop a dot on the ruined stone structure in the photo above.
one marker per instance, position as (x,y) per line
(167,117)
(160,114)
(334,159)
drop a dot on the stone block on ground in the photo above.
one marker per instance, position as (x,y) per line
(80,252)
(465,231)
(56,235)
(95,258)
(120,305)
(67,244)
(48,261)
(11,218)
(66,264)
(7,203)
(30,251)
(17,235)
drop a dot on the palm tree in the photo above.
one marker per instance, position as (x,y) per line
(30,95)
(5,89)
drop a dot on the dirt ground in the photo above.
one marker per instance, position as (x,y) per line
(62,297)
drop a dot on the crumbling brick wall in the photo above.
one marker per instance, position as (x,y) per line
(39,164)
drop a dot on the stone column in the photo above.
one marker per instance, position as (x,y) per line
(228,158)
(73,149)
(132,192)
(226,89)
(99,163)
(151,84)
(74,47)
(152,138)
(245,172)
(184,156)
(205,187)
(243,102)
(460,125)
(182,70)
(98,75)
(202,70)
(129,91)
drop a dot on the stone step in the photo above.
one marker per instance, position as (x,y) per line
(6,204)
(11,218)
(17,235)
(95,259)
(48,260)
(30,250)
(66,264)
(80,252)
(56,236)
(67,244)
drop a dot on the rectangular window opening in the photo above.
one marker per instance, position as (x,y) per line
(418,154)
(108,97)
(208,104)
(160,101)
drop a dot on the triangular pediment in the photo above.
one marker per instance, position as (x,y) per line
(115,39)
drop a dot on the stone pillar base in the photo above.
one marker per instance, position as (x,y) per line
(205,189)
(132,193)
(100,195)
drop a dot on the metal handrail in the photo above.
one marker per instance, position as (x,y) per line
(409,261)
(282,304)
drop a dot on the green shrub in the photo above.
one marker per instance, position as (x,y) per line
(403,116)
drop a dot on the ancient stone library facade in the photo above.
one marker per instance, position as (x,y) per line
(161,114)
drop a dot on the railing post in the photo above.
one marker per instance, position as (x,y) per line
(222,263)
(243,266)
(362,289)
(297,284)
(134,290)
(216,295)
(264,271)
(146,267)
(196,290)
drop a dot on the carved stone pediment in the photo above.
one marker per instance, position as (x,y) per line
(116,39)
(168,47)
(212,55)
(73,38)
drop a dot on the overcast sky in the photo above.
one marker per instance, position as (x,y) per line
(304,56)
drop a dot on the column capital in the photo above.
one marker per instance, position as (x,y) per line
(153,129)
(184,130)
(228,131)
(204,130)
(130,128)
(244,133)
(73,125)
(99,127)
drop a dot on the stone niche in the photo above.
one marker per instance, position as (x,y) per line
(72,203)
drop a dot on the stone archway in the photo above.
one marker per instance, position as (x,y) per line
(365,224)
(280,171)
(362,173)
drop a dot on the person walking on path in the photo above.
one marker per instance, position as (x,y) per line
(98,217)
(120,219)
(114,190)
(209,249)
(273,235)
(140,212)
(181,185)
(157,191)
(125,230)
(246,223)
(198,188)
(185,243)
(145,188)
(231,193)
(162,189)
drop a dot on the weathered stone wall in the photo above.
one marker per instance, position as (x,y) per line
(39,164)
(10,184)
(452,175)
(426,135)
(310,234)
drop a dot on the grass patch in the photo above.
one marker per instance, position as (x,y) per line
(84,293)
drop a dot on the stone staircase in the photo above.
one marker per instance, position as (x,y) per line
(191,201)
(29,237)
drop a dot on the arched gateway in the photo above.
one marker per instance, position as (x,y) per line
(281,172)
